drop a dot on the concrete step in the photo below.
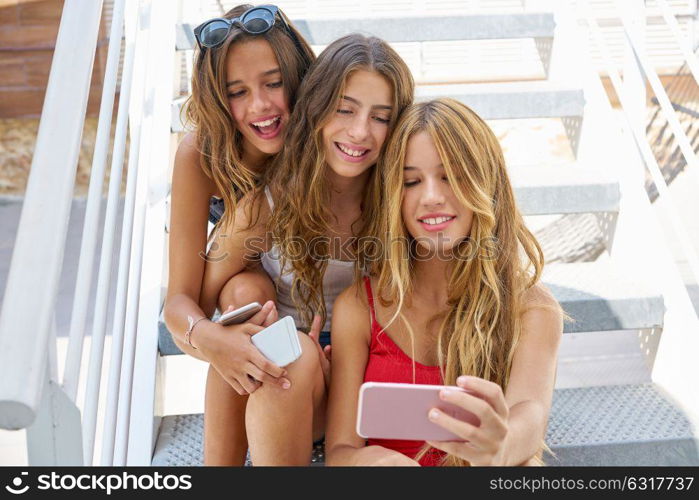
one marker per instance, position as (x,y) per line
(564,189)
(609,425)
(511,100)
(594,294)
(411,29)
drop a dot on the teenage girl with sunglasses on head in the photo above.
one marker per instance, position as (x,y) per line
(247,70)
(324,191)
(454,300)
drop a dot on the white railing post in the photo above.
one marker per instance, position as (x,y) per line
(684,44)
(83,284)
(32,283)
(633,14)
(156,164)
(131,92)
(115,428)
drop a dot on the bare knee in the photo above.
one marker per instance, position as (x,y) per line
(246,287)
(302,373)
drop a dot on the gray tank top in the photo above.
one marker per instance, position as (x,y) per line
(339,274)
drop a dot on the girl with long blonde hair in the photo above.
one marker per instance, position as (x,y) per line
(303,227)
(457,291)
(247,71)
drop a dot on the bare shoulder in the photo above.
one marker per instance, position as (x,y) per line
(187,149)
(541,311)
(351,313)
(188,167)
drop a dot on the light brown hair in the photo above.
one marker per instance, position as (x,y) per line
(207,109)
(480,329)
(299,184)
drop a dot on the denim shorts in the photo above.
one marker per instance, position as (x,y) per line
(324,339)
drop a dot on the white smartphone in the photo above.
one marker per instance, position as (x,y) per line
(240,315)
(399,411)
(279,342)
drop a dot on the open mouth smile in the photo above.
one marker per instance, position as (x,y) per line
(267,128)
(351,153)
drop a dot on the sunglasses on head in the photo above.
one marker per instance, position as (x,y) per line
(254,21)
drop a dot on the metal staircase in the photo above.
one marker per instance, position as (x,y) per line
(624,392)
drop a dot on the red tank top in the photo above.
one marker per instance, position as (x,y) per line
(388,363)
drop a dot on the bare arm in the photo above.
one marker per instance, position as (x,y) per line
(191,192)
(512,425)
(351,332)
(532,378)
(234,247)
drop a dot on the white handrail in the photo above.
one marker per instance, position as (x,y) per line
(139,44)
(684,44)
(646,152)
(83,283)
(666,108)
(104,276)
(32,284)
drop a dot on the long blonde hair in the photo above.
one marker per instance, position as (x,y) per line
(207,109)
(479,332)
(299,184)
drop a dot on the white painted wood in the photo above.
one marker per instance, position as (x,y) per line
(141,428)
(83,284)
(92,392)
(140,113)
(32,283)
(55,436)
(131,92)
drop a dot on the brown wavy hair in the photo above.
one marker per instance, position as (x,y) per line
(479,332)
(299,185)
(207,110)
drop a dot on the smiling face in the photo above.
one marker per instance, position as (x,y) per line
(256,96)
(431,212)
(353,136)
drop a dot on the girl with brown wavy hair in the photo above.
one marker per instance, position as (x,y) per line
(244,86)
(458,294)
(323,194)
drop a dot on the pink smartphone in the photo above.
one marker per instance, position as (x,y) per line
(240,315)
(399,411)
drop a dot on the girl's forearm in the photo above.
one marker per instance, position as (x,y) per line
(526,428)
(176,311)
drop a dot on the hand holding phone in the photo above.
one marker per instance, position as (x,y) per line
(279,342)
(240,315)
(231,352)
(400,411)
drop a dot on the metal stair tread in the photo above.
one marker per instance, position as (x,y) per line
(600,297)
(564,189)
(409,28)
(512,100)
(606,425)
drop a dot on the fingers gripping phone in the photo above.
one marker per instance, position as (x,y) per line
(240,315)
(279,342)
(399,411)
